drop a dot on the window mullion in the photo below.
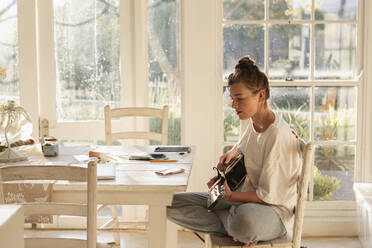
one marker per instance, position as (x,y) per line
(46,62)
(266,50)
(220,144)
(312,106)
(312,102)
(319,83)
(291,21)
(312,52)
(359,169)
(141,52)
(127,85)
(27,49)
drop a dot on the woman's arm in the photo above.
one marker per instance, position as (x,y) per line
(249,196)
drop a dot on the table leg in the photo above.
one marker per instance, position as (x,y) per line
(157,226)
(172,235)
(162,233)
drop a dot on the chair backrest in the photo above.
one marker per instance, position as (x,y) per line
(37,173)
(307,155)
(136,112)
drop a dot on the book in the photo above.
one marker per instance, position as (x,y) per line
(145,157)
(173,149)
(106,171)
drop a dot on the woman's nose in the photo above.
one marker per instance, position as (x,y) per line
(234,105)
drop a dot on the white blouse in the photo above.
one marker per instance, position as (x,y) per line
(273,163)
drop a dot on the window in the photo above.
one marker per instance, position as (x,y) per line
(86,35)
(308,49)
(103,54)
(8,51)
(163,64)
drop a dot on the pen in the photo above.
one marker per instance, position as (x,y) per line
(164,160)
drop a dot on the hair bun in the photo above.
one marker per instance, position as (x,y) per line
(245,63)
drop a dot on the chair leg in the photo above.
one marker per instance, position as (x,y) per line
(114,214)
(208,241)
(197,235)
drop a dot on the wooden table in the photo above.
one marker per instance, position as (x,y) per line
(11,226)
(136,184)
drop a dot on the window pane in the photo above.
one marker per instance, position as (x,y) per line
(335,51)
(336,9)
(231,122)
(164,77)
(293,104)
(294,9)
(243,9)
(335,113)
(334,172)
(8,51)
(242,40)
(289,50)
(87,58)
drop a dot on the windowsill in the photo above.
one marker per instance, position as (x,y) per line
(330,209)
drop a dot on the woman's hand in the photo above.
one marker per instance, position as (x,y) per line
(211,182)
(226,158)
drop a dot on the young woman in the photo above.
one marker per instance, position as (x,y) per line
(262,208)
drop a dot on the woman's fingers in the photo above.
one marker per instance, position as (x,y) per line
(211,181)
(220,165)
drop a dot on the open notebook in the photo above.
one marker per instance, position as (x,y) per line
(106,171)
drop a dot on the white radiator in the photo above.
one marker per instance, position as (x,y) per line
(363,198)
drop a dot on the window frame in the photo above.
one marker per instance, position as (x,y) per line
(314,208)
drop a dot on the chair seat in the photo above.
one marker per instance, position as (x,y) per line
(228,242)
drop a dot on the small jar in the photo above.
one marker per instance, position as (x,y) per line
(49,146)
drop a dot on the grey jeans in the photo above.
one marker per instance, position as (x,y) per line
(245,222)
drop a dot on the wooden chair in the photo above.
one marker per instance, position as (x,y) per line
(212,241)
(116,113)
(136,112)
(56,172)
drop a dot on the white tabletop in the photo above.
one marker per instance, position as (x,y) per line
(128,172)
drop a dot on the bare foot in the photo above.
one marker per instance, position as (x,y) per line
(251,244)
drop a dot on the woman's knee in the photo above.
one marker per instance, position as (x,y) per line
(244,227)
(254,222)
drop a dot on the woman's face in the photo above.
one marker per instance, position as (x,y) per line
(244,101)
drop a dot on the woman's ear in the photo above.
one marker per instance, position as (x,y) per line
(261,95)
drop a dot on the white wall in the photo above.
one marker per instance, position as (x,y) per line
(199,92)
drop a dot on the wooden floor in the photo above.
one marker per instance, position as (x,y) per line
(189,240)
